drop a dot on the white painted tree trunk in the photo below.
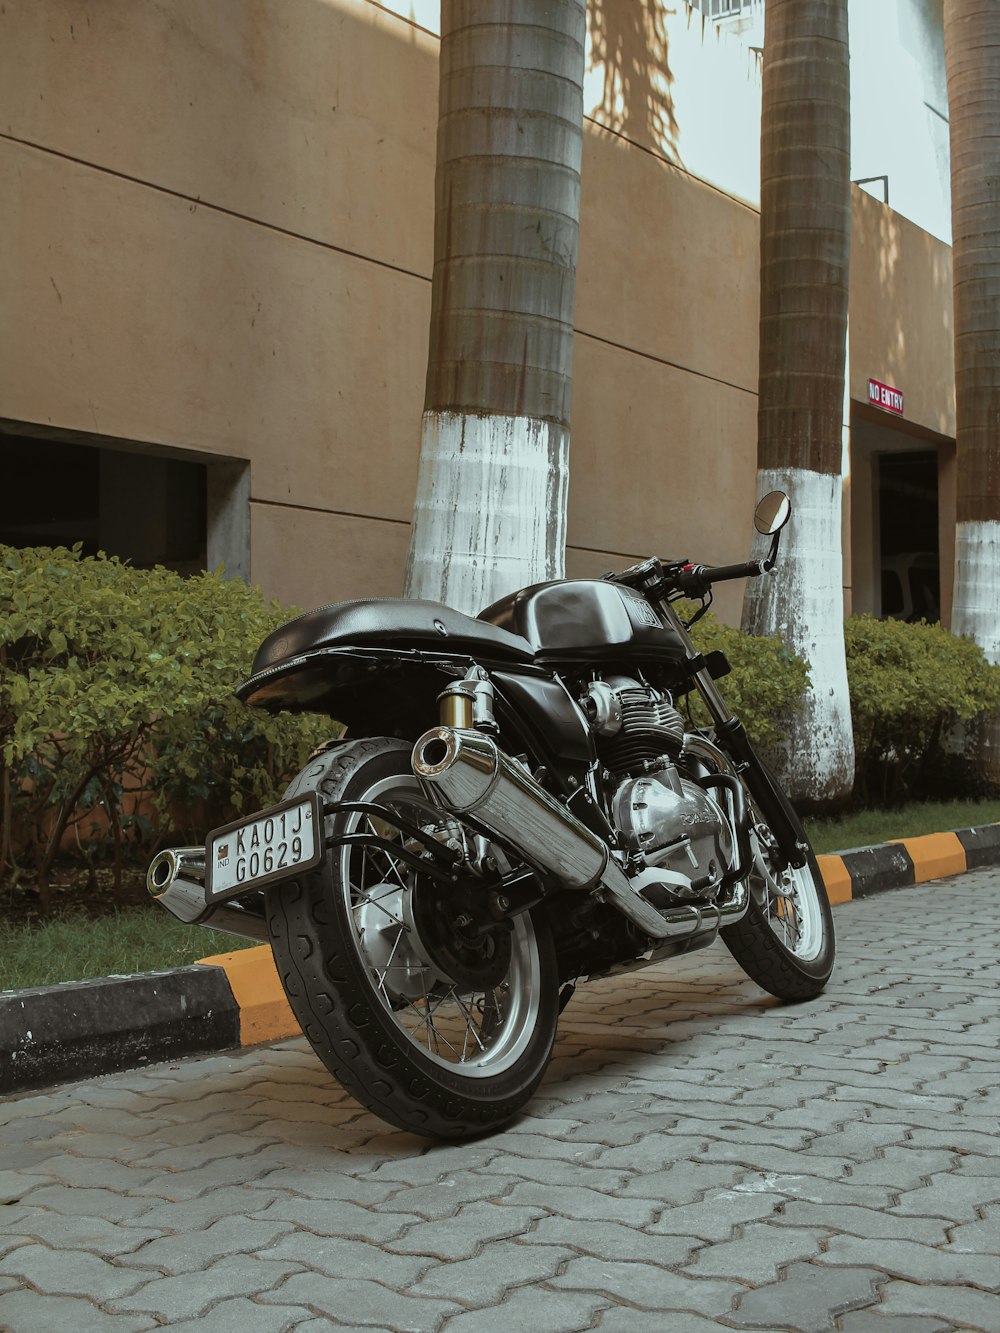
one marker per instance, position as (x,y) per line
(490,513)
(803,602)
(976,612)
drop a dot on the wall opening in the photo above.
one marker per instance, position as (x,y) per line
(147,509)
(909,556)
(143,504)
(902,519)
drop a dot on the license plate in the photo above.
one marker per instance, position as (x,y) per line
(277,843)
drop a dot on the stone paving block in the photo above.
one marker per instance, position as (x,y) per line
(532,1146)
(24,1157)
(870,1321)
(765,1157)
(962,1123)
(337,1257)
(194,1156)
(473,1227)
(244,1316)
(714,1218)
(807,1298)
(338,1217)
(184,1297)
(550,1171)
(815,1189)
(82,1232)
(539,1309)
(860,1140)
(980,1237)
(68,1272)
(683,1183)
(902,1167)
(434,1202)
(487,1279)
(326,1184)
(865,1222)
(654,1151)
(193,1250)
(28,1312)
(648,1287)
(964,1308)
(96,1173)
(957,1197)
(216,1202)
(915,1262)
(577,1201)
(108,1147)
(14,1185)
(362,1303)
(609,1240)
(975,1164)
(758,1253)
(624,1319)
(175,1186)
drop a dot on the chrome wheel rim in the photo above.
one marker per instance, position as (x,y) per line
(787,899)
(479,1033)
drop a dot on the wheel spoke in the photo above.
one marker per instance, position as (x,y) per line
(453,1025)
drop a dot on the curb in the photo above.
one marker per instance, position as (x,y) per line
(55,1034)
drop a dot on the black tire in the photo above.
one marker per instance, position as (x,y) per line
(393,1040)
(786,941)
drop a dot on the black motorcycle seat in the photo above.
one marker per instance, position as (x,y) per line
(391,623)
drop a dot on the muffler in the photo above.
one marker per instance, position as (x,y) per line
(469,775)
(175,880)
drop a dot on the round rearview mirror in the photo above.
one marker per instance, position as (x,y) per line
(772,513)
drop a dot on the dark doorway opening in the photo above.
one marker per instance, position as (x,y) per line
(908,535)
(142,507)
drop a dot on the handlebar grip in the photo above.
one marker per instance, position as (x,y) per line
(747,569)
(697,580)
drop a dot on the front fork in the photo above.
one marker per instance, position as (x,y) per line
(731,737)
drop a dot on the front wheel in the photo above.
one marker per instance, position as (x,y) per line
(429,1012)
(785,943)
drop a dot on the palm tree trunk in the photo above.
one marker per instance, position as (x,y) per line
(805,249)
(490,512)
(972,59)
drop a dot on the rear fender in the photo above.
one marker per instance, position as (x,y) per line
(372,692)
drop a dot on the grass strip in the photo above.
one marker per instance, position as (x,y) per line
(75,947)
(865,828)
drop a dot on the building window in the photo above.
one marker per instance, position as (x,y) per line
(143,507)
(728,9)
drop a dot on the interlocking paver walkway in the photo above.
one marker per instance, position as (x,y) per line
(698,1157)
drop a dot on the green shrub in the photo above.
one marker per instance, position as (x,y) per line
(766,684)
(909,685)
(116,699)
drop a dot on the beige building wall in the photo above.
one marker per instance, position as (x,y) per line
(902,334)
(218,242)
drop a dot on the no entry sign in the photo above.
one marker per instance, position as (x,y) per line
(882,395)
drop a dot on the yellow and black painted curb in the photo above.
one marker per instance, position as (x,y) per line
(79,1029)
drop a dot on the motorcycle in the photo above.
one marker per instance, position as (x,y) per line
(434,891)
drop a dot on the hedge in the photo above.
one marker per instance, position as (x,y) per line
(116,705)
(912,687)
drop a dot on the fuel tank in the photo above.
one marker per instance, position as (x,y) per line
(586,620)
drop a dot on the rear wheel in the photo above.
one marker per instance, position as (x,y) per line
(786,940)
(434,1016)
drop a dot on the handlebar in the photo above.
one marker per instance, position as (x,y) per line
(696,580)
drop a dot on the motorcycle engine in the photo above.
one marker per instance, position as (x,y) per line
(670,821)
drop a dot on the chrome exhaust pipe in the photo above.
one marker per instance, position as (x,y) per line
(469,775)
(473,777)
(175,880)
